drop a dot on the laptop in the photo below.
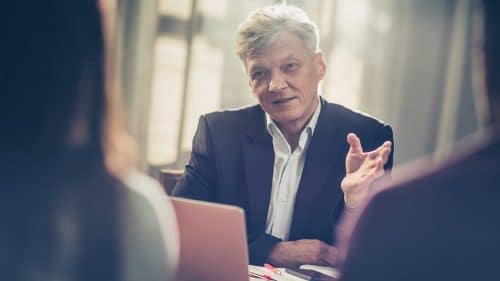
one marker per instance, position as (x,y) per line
(213,243)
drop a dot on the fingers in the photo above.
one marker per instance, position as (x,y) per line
(383,150)
(378,150)
(313,251)
(379,169)
(366,179)
(354,143)
(387,144)
(356,183)
(384,154)
(329,256)
(372,170)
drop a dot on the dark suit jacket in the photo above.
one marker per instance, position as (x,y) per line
(232,162)
(444,225)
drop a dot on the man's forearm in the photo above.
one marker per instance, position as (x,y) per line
(259,247)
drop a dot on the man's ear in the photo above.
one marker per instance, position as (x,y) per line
(320,63)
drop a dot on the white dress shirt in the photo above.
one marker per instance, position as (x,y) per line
(287,171)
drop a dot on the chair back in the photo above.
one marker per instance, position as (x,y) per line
(169,177)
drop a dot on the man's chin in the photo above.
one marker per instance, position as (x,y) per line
(285,117)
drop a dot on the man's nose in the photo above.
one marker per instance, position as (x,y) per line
(277,82)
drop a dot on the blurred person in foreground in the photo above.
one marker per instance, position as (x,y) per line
(72,207)
(284,160)
(442,223)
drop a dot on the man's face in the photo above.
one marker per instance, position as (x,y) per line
(284,77)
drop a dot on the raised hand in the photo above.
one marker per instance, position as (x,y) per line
(362,168)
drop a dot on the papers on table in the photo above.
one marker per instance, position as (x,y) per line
(260,273)
(326,270)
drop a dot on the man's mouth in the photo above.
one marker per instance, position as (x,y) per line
(283,100)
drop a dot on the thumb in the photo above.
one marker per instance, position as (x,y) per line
(354,143)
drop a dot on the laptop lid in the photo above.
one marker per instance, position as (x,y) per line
(213,243)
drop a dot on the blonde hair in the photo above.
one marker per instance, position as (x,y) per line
(259,29)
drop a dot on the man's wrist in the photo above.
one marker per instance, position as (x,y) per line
(277,257)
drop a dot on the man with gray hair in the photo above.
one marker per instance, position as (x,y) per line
(286,161)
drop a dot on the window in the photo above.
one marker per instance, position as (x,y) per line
(196,70)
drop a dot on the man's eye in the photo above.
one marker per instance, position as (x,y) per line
(291,66)
(258,75)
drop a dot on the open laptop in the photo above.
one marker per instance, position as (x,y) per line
(213,241)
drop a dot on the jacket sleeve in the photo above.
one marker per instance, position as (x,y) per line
(387,136)
(259,247)
(199,179)
(200,182)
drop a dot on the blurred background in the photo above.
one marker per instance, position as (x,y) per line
(403,61)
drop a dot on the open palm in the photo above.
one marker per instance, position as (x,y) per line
(362,168)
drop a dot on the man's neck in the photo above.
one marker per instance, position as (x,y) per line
(292,130)
(292,136)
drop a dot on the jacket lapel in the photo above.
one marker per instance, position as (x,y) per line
(259,162)
(326,151)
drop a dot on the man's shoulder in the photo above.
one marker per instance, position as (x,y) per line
(233,122)
(351,118)
(335,110)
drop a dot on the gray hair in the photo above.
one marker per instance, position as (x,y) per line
(259,29)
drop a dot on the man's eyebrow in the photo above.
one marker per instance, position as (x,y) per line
(291,57)
(255,67)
